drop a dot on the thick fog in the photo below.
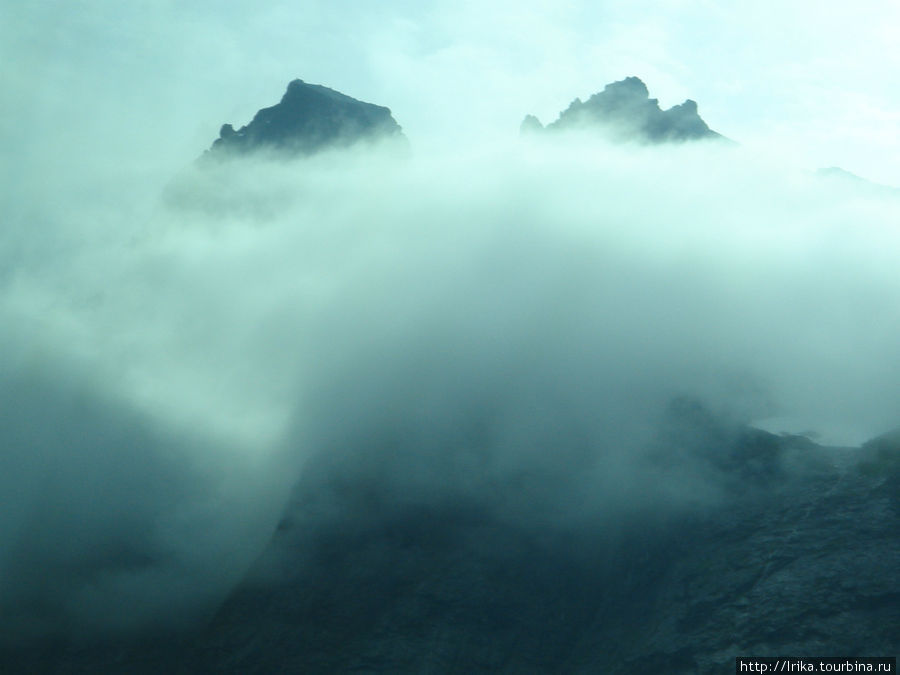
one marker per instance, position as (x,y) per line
(175,350)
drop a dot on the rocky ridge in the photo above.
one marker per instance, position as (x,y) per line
(624,110)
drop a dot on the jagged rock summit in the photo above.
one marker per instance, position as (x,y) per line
(309,118)
(625,111)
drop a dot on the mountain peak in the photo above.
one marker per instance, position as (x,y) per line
(630,86)
(309,118)
(625,111)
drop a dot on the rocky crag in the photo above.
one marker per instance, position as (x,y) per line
(309,118)
(624,110)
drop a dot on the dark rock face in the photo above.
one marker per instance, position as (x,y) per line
(309,118)
(625,110)
(799,556)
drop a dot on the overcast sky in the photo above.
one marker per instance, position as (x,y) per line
(816,81)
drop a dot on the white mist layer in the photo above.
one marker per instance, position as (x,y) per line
(167,368)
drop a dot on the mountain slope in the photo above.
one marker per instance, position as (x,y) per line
(799,557)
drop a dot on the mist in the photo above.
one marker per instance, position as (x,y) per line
(503,323)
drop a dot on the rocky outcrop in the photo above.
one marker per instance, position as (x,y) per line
(624,110)
(309,118)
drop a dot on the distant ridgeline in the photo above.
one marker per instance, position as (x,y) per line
(309,118)
(625,110)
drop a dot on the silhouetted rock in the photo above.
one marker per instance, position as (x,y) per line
(309,118)
(625,110)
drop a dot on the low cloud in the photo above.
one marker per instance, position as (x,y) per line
(439,325)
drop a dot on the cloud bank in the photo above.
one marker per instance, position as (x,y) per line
(444,323)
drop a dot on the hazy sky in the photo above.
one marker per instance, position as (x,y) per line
(816,82)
